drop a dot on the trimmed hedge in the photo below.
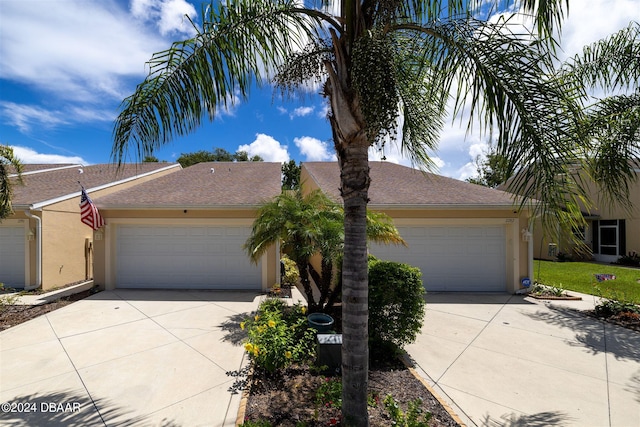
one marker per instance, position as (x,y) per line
(396,304)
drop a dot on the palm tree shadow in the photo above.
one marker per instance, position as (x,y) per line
(541,419)
(634,385)
(234,333)
(236,336)
(67,408)
(596,335)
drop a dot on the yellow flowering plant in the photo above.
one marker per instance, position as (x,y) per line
(278,335)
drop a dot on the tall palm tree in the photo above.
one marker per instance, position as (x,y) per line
(9,164)
(310,224)
(388,69)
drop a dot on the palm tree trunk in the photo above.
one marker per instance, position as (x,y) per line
(355,311)
(306,285)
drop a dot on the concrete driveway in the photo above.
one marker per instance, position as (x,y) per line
(506,360)
(127,357)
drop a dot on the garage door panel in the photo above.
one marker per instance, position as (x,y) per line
(12,256)
(453,258)
(195,257)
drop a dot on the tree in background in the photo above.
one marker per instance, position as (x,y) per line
(389,69)
(217,155)
(9,165)
(491,171)
(291,175)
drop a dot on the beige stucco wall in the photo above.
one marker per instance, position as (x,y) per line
(105,242)
(64,238)
(602,210)
(65,245)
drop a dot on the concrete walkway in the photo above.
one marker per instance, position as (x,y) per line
(126,357)
(506,360)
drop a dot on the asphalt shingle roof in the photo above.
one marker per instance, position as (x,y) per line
(54,183)
(230,184)
(397,185)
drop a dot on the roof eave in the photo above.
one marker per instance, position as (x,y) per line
(176,207)
(443,206)
(44,203)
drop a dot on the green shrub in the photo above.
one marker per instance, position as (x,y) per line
(329,393)
(613,303)
(396,304)
(291,275)
(632,259)
(409,419)
(278,335)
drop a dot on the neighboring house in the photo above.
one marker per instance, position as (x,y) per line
(610,232)
(44,243)
(462,236)
(187,230)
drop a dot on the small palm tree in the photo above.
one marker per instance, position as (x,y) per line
(308,225)
(9,164)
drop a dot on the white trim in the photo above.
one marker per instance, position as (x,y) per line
(101,187)
(444,206)
(454,221)
(14,175)
(174,207)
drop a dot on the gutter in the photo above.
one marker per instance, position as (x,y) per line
(38,220)
(441,207)
(40,205)
(174,207)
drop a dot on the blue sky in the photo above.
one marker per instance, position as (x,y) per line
(65,66)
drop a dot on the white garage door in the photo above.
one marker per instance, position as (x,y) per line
(186,257)
(12,243)
(453,258)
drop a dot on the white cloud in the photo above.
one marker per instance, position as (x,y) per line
(168,15)
(314,150)
(78,50)
(25,116)
(594,20)
(322,113)
(28,155)
(301,112)
(266,147)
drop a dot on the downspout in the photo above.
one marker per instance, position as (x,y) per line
(530,255)
(38,220)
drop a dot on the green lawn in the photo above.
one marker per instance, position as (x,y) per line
(580,277)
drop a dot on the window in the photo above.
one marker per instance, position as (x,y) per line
(609,237)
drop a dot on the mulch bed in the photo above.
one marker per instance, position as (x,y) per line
(289,398)
(12,315)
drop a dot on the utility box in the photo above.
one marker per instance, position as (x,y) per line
(330,353)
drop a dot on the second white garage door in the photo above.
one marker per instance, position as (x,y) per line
(12,256)
(185,257)
(453,258)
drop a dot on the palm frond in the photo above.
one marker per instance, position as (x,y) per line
(614,125)
(612,63)
(9,165)
(193,78)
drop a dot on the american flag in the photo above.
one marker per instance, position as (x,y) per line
(89,213)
